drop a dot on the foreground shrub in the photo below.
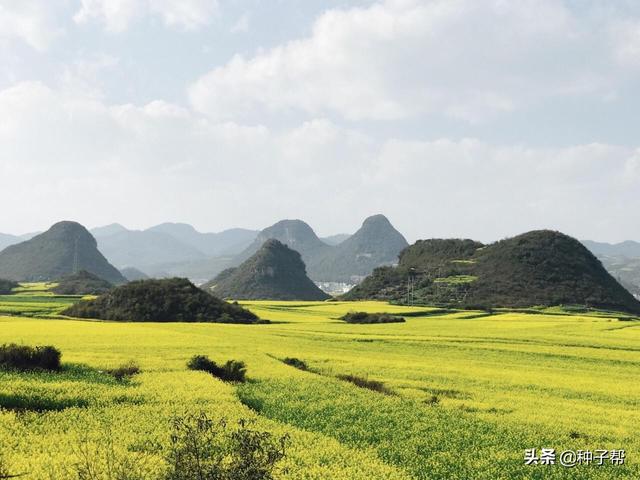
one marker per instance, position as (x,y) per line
(206,450)
(6,287)
(124,371)
(364,317)
(296,363)
(24,357)
(361,382)
(232,371)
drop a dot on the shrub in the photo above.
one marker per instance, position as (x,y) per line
(364,317)
(203,449)
(24,357)
(361,382)
(126,370)
(433,400)
(6,287)
(296,363)
(232,371)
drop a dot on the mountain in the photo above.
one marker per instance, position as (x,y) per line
(624,269)
(274,272)
(65,248)
(629,248)
(376,243)
(297,235)
(6,240)
(335,239)
(132,274)
(170,300)
(228,242)
(144,249)
(540,268)
(81,283)
(107,230)
(622,260)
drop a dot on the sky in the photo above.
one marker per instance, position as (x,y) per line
(455,118)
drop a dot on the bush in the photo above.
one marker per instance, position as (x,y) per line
(232,371)
(207,450)
(24,357)
(374,385)
(6,287)
(296,363)
(364,317)
(126,370)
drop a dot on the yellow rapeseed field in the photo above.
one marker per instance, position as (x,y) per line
(470,392)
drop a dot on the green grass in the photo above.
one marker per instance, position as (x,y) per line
(502,383)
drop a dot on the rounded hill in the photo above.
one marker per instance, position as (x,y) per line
(539,268)
(169,300)
(65,248)
(274,272)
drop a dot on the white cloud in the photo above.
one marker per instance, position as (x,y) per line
(117,15)
(626,42)
(397,59)
(241,25)
(99,163)
(31,21)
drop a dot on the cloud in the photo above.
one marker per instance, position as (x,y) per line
(31,21)
(468,60)
(98,163)
(626,42)
(117,15)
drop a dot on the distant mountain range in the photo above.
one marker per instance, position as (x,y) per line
(629,248)
(178,249)
(66,248)
(622,260)
(540,268)
(274,272)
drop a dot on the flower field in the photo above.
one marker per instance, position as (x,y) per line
(466,393)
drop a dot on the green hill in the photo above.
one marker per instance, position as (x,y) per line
(540,268)
(170,300)
(65,248)
(274,272)
(7,286)
(81,283)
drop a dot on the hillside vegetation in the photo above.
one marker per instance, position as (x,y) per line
(275,272)
(540,268)
(170,300)
(7,286)
(81,283)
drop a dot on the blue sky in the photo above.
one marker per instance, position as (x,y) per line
(455,118)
